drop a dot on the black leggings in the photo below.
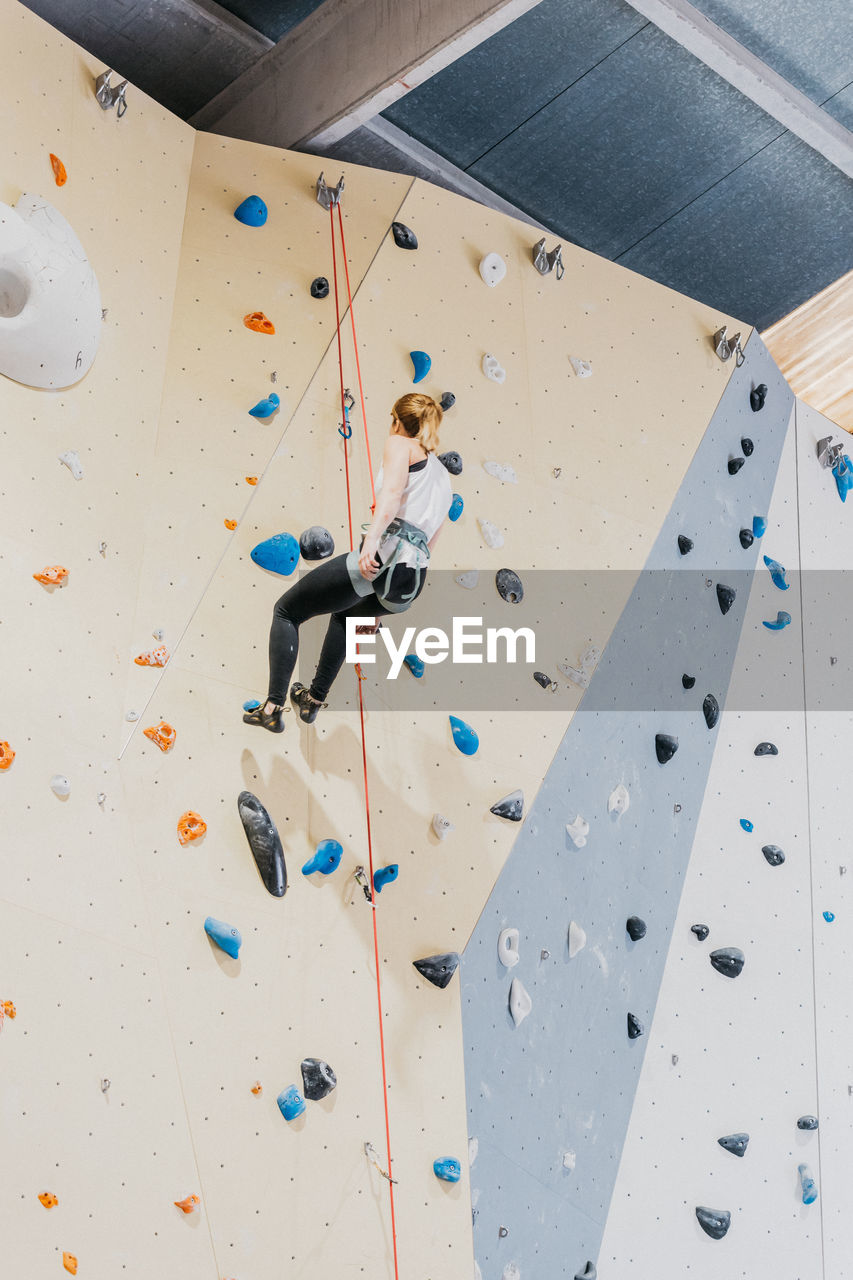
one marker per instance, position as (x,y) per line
(326,589)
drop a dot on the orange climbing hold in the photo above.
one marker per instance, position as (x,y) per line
(69,1262)
(9,1009)
(257,321)
(153,658)
(58,168)
(231,524)
(188,1205)
(7,755)
(191,826)
(257,1088)
(251,479)
(48,1199)
(53,576)
(163,734)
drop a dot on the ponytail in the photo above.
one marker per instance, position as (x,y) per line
(420,417)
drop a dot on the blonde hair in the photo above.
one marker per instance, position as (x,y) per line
(420,418)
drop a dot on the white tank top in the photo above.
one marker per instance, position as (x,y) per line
(425,503)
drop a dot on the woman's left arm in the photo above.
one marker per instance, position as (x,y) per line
(395,472)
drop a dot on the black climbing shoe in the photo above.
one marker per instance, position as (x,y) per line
(306,707)
(274,721)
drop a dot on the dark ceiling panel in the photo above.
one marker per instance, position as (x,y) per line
(766,238)
(273,18)
(467,108)
(809,42)
(646,132)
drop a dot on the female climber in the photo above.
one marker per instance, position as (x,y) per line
(385,575)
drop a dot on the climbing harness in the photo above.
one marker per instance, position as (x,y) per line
(405,533)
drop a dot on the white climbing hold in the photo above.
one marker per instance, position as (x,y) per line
(582,674)
(618,800)
(469,579)
(520,1003)
(583,368)
(505,474)
(577,939)
(132,715)
(491,534)
(578,831)
(102,798)
(442,826)
(508,947)
(478,1275)
(60,786)
(510,1272)
(569,1159)
(71,460)
(492,269)
(159,634)
(473,1148)
(493,369)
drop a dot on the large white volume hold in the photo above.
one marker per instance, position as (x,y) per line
(577,939)
(520,1003)
(492,269)
(619,800)
(578,831)
(50,303)
(508,947)
(493,369)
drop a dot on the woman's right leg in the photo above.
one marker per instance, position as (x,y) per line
(326,589)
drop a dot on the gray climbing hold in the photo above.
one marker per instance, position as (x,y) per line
(685,544)
(452,461)
(438,969)
(320,287)
(746,538)
(404,237)
(728,961)
(766,749)
(725,597)
(701,931)
(316,543)
(509,586)
(520,1003)
(541,678)
(747,446)
(688,681)
(264,842)
(635,1027)
(807,1122)
(714,1222)
(710,710)
(735,1142)
(589,1272)
(510,807)
(773,854)
(447,401)
(735,465)
(665,747)
(318,1078)
(636,928)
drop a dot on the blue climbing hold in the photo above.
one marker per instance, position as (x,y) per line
(251,705)
(843,472)
(385,875)
(267,407)
(808,1184)
(464,736)
(279,554)
(448,1169)
(782,621)
(759,526)
(326,859)
(415,664)
(456,507)
(252,212)
(422,365)
(227,939)
(746,824)
(290,1102)
(829,916)
(777,573)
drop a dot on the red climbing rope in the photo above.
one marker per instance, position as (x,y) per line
(359,684)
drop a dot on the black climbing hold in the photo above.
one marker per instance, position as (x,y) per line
(438,969)
(773,854)
(766,749)
(318,1078)
(747,446)
(685,544)
(635,1027)
(541,678)
(746,538)
(447,401)
(264,842)
(725,597)
(316,543)
(728,961)
(735,1142)
(320,287)
(757,396)
(665,747)
(510,807)
(589,1272)
(714,1222)
(710,710)
(735,465)
(688,681)
(452,461)
(701,931)
(404,237)
(636,928)
(807,1122)
(509,586)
